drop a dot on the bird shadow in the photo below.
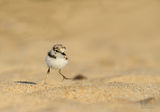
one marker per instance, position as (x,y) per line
(26,82)
(79,77)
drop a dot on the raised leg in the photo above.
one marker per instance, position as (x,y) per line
(64,77)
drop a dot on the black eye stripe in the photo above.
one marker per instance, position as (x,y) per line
(63,54)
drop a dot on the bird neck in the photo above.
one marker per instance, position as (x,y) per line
(52,52)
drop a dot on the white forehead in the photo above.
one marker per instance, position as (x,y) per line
(62,50)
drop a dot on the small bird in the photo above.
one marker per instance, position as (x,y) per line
(57,59)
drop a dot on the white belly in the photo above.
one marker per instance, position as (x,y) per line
(57,63)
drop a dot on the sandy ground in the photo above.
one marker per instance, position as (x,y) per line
(114,43)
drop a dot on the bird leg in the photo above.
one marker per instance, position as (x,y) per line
(64,77)
(48,71)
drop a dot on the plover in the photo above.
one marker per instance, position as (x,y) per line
(57,59)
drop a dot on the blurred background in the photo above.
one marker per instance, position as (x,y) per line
(114,43)
(103,37)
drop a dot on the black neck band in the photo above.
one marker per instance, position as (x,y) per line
(52,56)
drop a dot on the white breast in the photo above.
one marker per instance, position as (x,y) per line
(57,63)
